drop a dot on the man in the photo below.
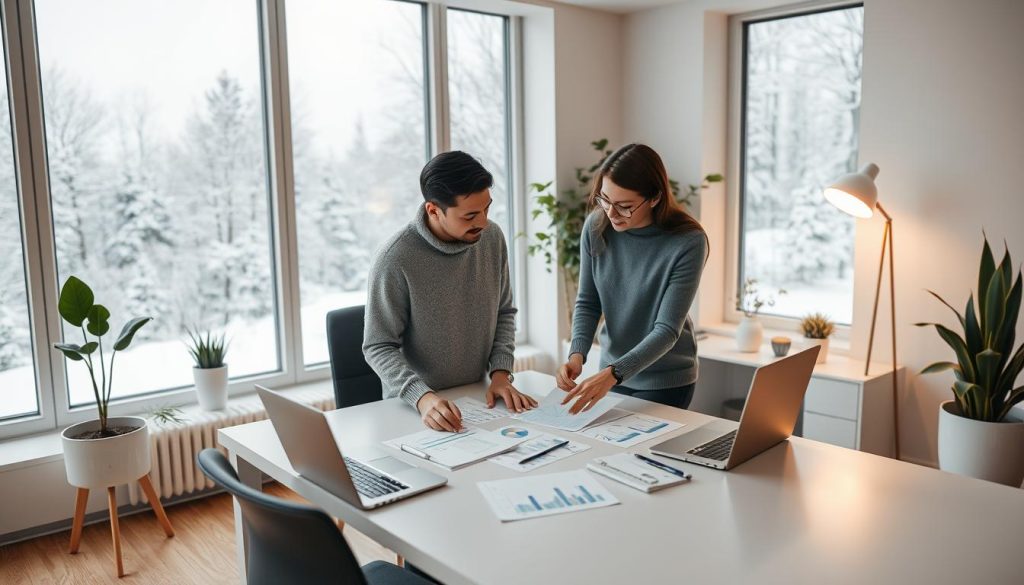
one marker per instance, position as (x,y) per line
(439,307)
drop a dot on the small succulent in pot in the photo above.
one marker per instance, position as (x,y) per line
(817,326)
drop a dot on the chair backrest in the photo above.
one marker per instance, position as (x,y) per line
(288,542)
(355,382)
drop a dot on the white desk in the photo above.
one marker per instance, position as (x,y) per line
(802,512)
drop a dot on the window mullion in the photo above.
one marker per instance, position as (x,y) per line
(273,48)
(437,51)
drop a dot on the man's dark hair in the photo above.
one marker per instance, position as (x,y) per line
(453,174)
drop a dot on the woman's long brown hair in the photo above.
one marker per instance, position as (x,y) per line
(638,167)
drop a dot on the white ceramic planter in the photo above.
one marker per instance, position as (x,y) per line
(749,335)
(985,450)
(823,354)
(101,463)
(211,387)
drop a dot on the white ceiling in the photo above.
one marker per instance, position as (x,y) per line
(621,6)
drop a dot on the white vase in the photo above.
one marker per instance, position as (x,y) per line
(749,335)
(823,354)
(211,387)
(985,450)
(101,463)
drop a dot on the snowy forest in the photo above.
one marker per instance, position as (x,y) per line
(179,227)
(802,115)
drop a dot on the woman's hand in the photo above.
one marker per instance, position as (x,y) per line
(567,374)
(589,391)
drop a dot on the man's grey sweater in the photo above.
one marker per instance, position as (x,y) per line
(438,314)
(644,281)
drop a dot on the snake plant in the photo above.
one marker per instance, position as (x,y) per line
(986,366)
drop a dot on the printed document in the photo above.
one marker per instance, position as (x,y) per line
(551,413)
(533,496)
(630,430)
(455,450)
(536,442)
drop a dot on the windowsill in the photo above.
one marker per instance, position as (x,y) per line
(46,447)
(837,345)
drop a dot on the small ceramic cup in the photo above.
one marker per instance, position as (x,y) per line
(781,345)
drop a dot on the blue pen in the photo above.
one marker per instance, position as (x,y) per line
(663,467)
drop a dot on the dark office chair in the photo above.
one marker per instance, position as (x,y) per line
(354,381)
(294,543)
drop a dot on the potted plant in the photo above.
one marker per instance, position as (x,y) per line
(105,451)
(560,244)
(210,372)
(750,331)
(979,436)
(817,328)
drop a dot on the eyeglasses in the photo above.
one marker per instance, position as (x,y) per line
(626,212)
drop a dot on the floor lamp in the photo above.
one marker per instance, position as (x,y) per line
(856,195)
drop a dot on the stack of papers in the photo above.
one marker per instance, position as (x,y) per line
(544,495)
(475,412)
(552,413)
(455,450)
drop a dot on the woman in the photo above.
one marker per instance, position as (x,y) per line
(641,258)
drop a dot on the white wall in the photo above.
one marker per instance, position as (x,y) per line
(943,89)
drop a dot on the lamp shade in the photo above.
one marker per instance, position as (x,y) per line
(855,193)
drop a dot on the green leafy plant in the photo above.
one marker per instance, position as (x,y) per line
(560,243)
(76,306)
(986,366)
(817,326)
(167,415)
(207,352)
(750,299)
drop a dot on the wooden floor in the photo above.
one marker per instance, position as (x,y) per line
(202,550)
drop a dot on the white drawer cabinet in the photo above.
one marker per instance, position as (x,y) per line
(842,406)
(829,429)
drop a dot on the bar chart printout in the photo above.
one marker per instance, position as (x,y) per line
(544,495)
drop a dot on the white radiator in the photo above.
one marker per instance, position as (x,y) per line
(174,446)
(529,358)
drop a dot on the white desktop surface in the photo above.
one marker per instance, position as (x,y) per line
(802,512)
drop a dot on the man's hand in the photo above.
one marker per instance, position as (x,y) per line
(439,414)
(515,400)
(567,374)
(589,391)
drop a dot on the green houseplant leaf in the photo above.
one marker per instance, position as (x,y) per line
(98,323)
(75,301)
(128,332)
(70,350)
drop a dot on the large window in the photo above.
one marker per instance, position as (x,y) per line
(158,177)
(359,134)
(800,112)
(18,396)
(230,166)
(478,94)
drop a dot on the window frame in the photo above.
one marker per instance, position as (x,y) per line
(735,176)
(32,174)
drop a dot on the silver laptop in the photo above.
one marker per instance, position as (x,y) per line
(773,405)
(365,477)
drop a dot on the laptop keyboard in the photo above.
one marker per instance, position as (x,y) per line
(371,483)
(715,449)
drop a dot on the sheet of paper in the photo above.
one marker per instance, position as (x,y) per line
(551,413)
(475,412)
(536,441)
(455,450)
(533,496)
(631,429)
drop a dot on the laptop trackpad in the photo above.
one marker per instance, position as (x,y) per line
(388,464)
